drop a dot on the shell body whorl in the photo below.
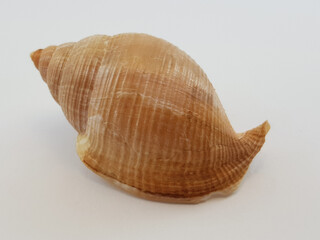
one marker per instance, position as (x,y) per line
(148,118)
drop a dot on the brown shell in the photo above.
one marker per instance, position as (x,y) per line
(148,118)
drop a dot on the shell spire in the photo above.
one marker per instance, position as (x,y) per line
(148,118)
(35,56)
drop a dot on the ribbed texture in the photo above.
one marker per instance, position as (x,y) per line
(148,118)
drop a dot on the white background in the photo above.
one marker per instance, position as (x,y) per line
(263,58)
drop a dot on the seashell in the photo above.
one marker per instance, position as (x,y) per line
(148,118)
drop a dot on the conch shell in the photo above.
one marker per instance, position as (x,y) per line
(148,118)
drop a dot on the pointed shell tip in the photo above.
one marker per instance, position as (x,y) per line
(35,56)
(266,127)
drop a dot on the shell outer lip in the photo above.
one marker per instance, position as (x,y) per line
(83,145)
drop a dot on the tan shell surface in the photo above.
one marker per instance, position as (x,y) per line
(148,118)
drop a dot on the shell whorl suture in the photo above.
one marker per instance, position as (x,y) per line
(148,118)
